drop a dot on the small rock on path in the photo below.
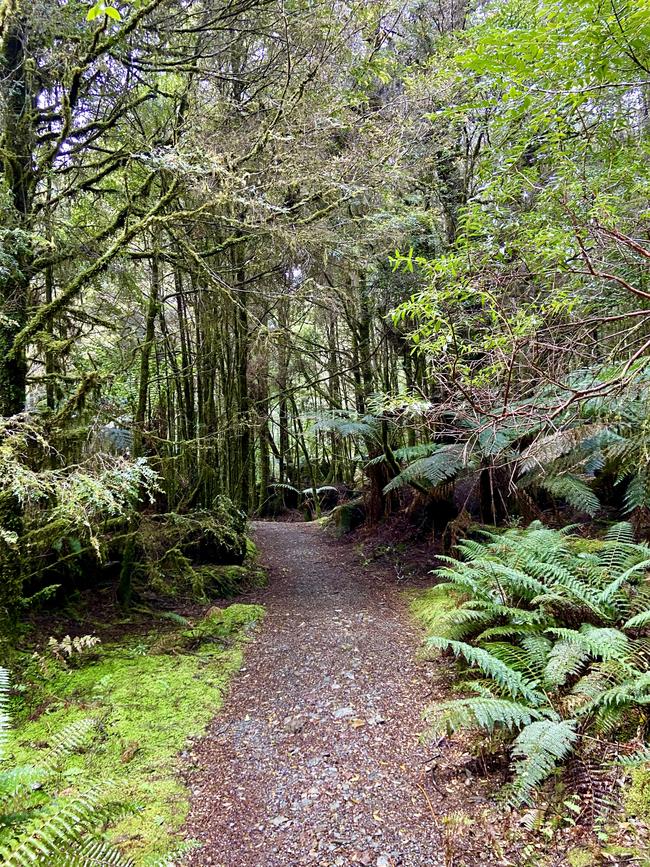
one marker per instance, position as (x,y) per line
(316,758)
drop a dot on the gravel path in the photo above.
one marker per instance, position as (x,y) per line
(316,757)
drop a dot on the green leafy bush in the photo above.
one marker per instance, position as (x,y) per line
(553,637)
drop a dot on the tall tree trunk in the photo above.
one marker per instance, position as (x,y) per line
(145,356)
(17,143)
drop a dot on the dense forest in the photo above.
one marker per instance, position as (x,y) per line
(378,265)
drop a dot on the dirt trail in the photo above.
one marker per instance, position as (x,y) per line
(316,758)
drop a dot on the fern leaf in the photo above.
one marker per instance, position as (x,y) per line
(4,714)
(510,680)
(638,621)
(565,660)
(47,836)
(549,448)
(537,751)
(600,642)
(95,853)
(70,740)
(637,493)
(576,493)
(350,426)
(435,469)
(635,759)
(482,712)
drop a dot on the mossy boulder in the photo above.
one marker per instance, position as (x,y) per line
(220,582)
(348,516)
(216,535)
(200,555)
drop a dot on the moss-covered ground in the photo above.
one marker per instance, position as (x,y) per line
(429,605)
(148,702)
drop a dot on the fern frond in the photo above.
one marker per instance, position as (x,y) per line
(600,642)
(435,469)
(349,426)
(564,661)
(95,853)
(529,657)
(638,621)
(635,759)
(412,453)
(17,783)
(47,836)
(510,680)
(4,704)
(545,450)
(172,859)
(633,691)
(637,492)
(284,486)
(537,751)
(614,552)
(576,492)
(482,712)
(69,740)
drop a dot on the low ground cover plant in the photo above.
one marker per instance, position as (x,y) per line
(552,632)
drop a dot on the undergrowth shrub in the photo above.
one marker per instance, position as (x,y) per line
(53,518)
(197,554)
(553,635)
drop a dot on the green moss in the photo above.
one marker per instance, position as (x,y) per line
(224,581)
(251,551)
(429,606)
(148,706)
(580,857)
(585,546)
(637,800)
(347,516)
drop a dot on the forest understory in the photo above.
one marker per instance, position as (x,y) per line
(366,281)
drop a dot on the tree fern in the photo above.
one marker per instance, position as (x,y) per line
(439,467)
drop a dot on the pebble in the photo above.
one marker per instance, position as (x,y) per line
(343,712)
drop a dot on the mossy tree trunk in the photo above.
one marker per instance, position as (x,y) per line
(17,145)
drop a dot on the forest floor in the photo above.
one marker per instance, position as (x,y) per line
(317,757)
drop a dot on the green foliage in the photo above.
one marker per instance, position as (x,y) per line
(537,750)
(147,699)
(100,9)
(53,520)
(349,425)
(444,464)
(547,627)
(200,554)
(56,831)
